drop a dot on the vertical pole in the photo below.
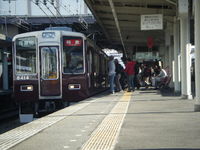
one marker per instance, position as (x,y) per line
(170,69)
(197,55)
(162,53)
(5,70)
(185,62)
(176,62)
(58,7)
(28,7)
(167,46)
(166,56)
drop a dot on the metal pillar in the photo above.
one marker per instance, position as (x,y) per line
(185,63)
(5,70)
(162,53)
(171,59)
(176,74)
(167,46)
(166,61)
(29,8)
(58,7)
(197,55)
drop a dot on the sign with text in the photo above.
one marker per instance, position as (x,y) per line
(183,7)
(152,22)
(73,42)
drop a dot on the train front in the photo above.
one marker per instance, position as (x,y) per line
(74,78)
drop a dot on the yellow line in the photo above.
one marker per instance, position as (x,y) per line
(105,136)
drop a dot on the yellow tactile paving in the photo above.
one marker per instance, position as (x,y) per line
(105,136)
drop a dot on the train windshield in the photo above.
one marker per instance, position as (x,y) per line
(49,60)
(26,55)
(73,55)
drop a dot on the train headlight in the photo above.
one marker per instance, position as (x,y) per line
(74,86)
(26,88)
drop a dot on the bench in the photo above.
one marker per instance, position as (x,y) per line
(164,83)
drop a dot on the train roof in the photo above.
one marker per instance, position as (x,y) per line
(35,33)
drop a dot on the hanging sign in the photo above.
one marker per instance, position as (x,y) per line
(150,42)
(152,22)
(183,7)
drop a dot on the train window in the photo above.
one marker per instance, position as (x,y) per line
(26,55)
(49,60)
(73,55)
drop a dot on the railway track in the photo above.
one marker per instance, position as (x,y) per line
(9,113)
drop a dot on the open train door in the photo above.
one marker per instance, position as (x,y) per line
(50,82)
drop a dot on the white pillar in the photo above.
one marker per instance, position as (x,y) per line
(176,74)
(197,55)
(5,71)
(185,63)
(171,59)
(29,8)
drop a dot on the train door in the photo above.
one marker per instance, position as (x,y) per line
(50,86)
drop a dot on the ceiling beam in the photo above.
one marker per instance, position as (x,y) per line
(88,3)
(135,10)
(150,2)
(117,23)
(128,17)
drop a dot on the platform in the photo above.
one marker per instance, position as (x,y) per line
(143,120)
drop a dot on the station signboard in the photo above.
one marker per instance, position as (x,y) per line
(183,7)
(152,22)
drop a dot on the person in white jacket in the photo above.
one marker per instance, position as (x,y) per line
(159,77)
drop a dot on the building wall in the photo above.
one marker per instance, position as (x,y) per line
(65,7)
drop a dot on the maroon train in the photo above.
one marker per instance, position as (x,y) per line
(54,67)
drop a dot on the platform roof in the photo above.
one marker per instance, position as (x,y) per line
(121,19)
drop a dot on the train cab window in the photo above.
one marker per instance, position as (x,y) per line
(26,55)
(49,60)
(73,55)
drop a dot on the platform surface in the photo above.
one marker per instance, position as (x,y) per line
(139,120)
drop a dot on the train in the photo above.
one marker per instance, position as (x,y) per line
(52,69)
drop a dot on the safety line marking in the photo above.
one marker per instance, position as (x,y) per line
(17,135)
(106,134)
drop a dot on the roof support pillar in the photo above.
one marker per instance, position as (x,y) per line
(176,74)
(170,50)
(197,55)
(29,8)
(185,59)
(167,46)
(166,57)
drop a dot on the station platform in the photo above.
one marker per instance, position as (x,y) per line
(139,120)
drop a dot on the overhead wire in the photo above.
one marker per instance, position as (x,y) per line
(57,10)
(64,7)
(44,12)
(45,4)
